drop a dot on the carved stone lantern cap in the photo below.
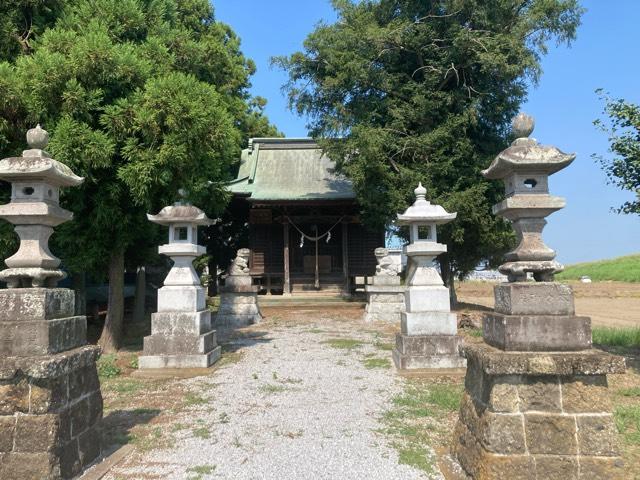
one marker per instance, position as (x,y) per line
(422,211)
(526,154)
(186,214)
(36,164)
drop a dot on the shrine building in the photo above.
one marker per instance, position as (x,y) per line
(305,233)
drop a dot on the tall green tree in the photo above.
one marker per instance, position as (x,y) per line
(622,125)
(424,90)
(142,98)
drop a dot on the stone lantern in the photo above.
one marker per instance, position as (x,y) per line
(536,398)
(428,337)
(35,209)
(48,376)
(181,332)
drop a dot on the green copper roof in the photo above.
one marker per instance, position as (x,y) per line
(288,169)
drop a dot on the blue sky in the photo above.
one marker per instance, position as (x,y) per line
(564,105)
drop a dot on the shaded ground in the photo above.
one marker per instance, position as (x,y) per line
(612,304)
(309,393)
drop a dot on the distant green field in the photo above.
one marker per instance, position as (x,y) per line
(621,269)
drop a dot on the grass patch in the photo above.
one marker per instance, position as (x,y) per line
(126,387)
(420,420)
(473,332)
(202,432)
(621,269)
(616,337)
(315,330)
(372,363)
(445,396)
(197,472)
(417,457)
(271,388)
(228,358)
(191,399)
(385,347)
(343,343)
(629,392)
(627,419)
(107,367)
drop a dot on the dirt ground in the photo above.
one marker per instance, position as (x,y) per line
(609,304)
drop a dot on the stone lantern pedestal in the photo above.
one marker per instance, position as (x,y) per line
(385,295)
(181,330)
(536,403)
(50,400)
(428,330)
(238,297)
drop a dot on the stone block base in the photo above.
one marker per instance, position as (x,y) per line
(528,415)
(238,309)
(181,299)
(179,361)
(537,332)
(428,323)
(39,321)
(534,298)
(427,352)
(176,341)
(384,303)
(50,414)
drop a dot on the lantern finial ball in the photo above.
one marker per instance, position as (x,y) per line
(522,125)
(37,138)
(420,192)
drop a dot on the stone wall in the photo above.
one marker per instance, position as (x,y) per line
(530,416)
(50,412)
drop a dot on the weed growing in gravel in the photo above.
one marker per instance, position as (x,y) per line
(291,380)
(236,442)
(386,347)
(315,330)
(126,387)
(191,399)
(372,363)
(341,363)
(343,343)
(133,362)
(255,376)
(202,432)
(107,367)
(178,427)
(271,388)
(224,417)
(199,471)
(417,457)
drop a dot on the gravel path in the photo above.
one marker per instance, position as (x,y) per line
(291,408)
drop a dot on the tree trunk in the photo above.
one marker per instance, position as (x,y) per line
(79,282)
(448,278)
(212,287)
(112,332)
(140,296)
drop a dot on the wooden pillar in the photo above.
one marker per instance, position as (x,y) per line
(317,279)
(286,288)
(345,258)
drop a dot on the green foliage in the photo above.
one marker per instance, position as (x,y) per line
(627,420)
(107,367)
(424,90)
(141,98)
(371,363)
(616,337)
(343,343)
(621,269)
(623,128)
